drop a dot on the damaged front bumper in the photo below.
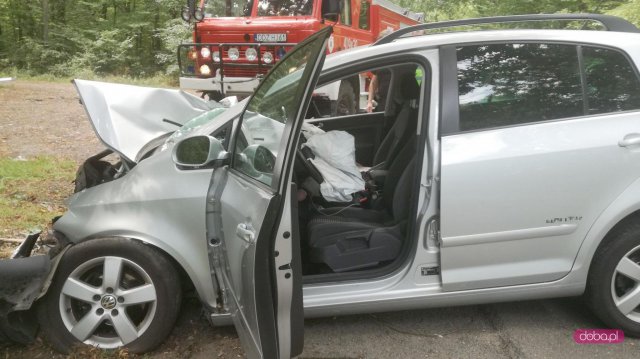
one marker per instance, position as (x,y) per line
(23,279)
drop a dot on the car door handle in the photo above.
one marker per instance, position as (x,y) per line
(246,232)
(632,139)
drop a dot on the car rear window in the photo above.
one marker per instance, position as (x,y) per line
(512,84)
(612,83)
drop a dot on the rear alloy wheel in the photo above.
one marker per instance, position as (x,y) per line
(625,285)
(111,293)
(614,281)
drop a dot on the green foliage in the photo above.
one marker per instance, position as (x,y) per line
(32,192)
(68,37)
(440,10)
(629,10)
(173,34)
(138,38)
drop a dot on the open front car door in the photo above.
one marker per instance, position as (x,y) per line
(253,239)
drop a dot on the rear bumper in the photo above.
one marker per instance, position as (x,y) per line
(23,278)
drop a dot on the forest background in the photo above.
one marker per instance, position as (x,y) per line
(138,38)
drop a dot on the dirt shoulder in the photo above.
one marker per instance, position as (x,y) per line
(43,118)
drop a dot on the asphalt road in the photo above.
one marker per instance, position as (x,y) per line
(532,329)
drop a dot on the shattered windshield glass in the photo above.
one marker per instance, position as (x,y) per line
(285,7)
(195,123)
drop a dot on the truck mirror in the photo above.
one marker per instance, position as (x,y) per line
(331,9)
(186,14)
(198,14)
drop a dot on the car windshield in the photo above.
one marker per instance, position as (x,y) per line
(228,8)
(195,123)
(285,7)
(273,106)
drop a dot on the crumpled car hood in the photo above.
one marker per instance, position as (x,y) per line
(126,117)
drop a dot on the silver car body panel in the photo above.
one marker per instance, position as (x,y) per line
(127,117)
(546,184)
(163,206)
(165,209)
(238,243)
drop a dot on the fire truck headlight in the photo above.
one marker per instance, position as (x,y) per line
(267,57)
(205,52)
(216,56)
(251,54)
(234,54)
(205,70)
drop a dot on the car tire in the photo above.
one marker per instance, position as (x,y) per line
(135,309)
(346,103)
(213,95)
(613,284)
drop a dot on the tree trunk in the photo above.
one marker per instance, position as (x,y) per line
(45,22)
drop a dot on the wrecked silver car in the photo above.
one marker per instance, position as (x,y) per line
(161,116)
(502,167)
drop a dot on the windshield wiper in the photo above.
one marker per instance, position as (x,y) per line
(171,122)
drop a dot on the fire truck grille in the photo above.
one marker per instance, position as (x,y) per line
(252,71)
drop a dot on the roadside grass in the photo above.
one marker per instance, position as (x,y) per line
(152,81)
(6,249)
(31,193)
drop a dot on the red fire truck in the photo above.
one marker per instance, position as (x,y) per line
(236,42)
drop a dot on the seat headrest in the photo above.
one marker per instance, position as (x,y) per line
(409,88)
(407,92)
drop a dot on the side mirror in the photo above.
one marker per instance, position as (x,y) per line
(264,160)
(331,9)
(257,158)
(200,151)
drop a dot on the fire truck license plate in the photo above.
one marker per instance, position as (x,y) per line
(270,37)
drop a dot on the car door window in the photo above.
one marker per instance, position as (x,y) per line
(511,84)
(360,93)
(612,84)
(273,106)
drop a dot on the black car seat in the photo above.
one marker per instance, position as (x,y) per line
(354,238)
(404,124)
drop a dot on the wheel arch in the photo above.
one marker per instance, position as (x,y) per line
(623,210)
(185,270)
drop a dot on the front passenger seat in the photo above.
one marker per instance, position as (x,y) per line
(358,238)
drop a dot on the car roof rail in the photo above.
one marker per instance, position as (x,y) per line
(610,23)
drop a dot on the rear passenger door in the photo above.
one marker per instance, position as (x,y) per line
(533,150)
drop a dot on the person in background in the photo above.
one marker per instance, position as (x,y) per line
(378,89)
(379,84)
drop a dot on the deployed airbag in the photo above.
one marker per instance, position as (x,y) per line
(336,160)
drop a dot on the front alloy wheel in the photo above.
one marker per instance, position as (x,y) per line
(111,293)
(108,302)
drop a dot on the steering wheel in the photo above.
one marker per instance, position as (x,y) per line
(305,155)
